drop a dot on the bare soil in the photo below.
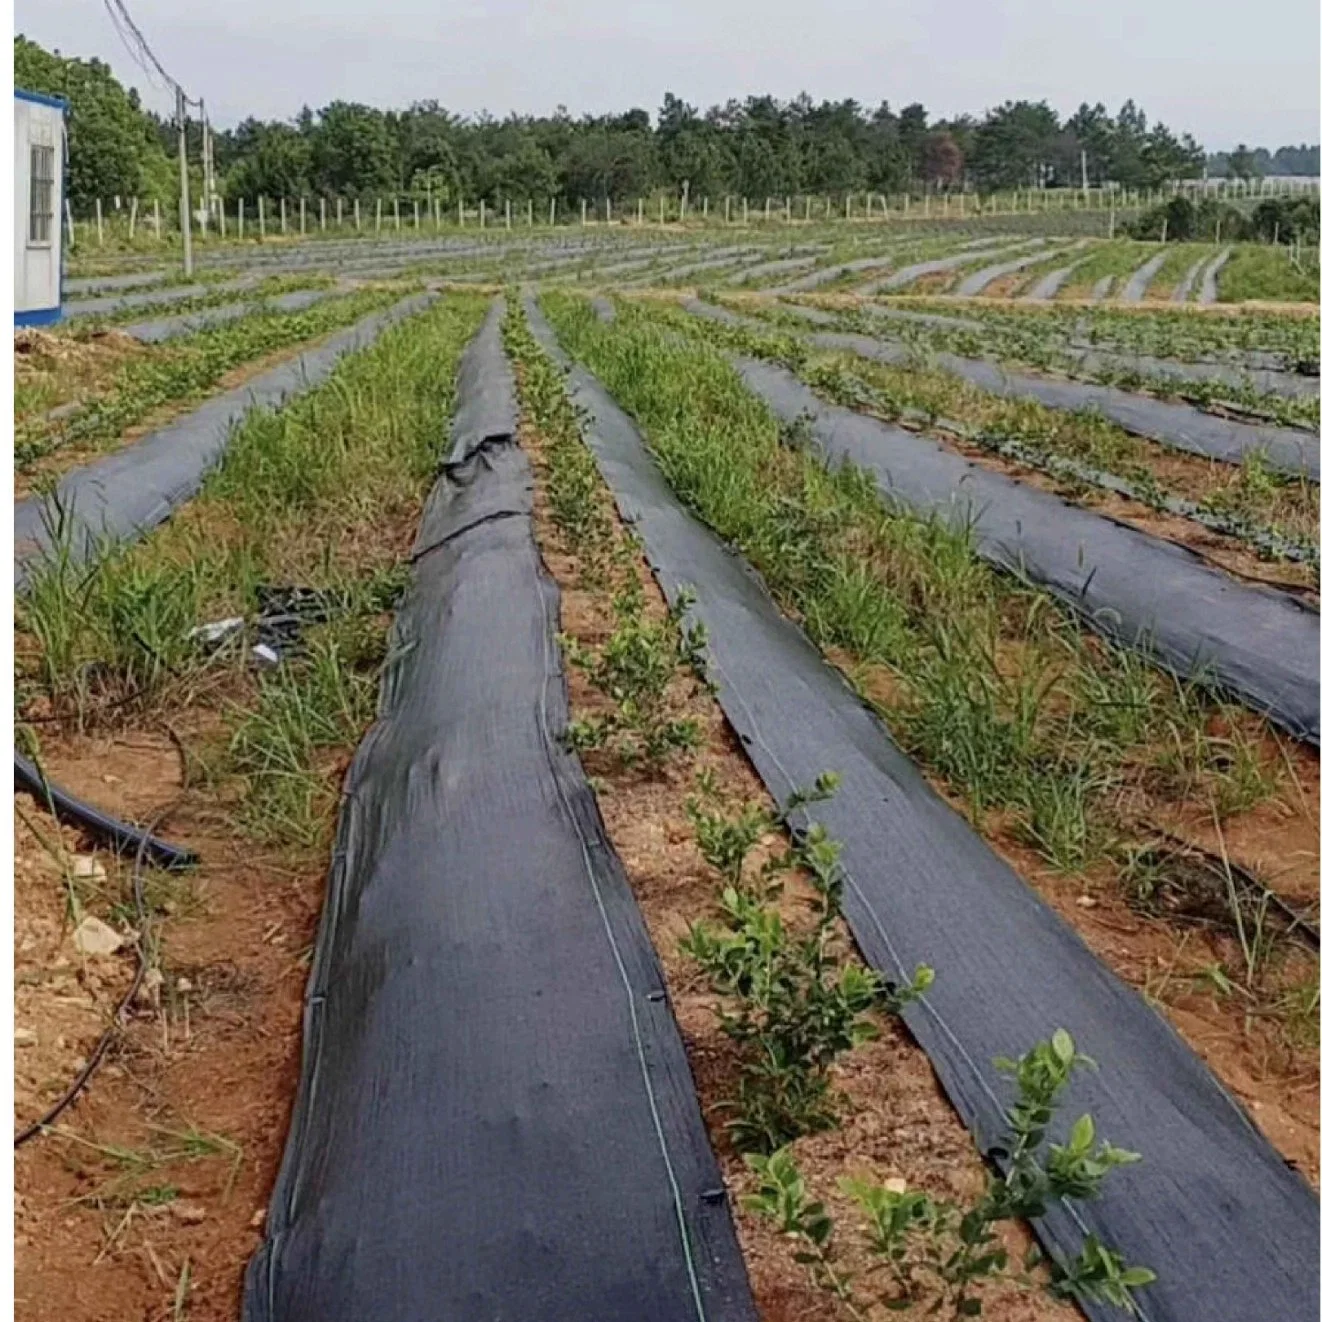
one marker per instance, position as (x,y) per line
(160,1172)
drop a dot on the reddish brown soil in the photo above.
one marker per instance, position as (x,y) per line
(211,1049)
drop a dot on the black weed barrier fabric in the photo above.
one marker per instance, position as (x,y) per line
(168,328)
(496,1119)
(1255,642)
(1229,1227)
(89,307)
(1179,426)
(129,492)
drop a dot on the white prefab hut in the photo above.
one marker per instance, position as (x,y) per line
(38,206)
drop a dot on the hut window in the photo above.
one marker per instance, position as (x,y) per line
(41,214)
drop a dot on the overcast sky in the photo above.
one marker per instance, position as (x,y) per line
(1224,72)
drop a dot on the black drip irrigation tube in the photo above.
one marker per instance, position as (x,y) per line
(1228,1226)
(496,1117)
(122,836)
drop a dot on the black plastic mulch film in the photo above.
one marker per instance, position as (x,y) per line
(1229,1227)
(496,1118)
(129,492)
(167,328)
(1142,591)
(1176,425)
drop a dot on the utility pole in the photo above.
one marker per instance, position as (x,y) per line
(185,219)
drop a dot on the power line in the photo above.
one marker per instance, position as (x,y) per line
(139,47)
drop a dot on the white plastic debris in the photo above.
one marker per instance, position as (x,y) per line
(93,937)
(218,630)
(265,655)
(87,867)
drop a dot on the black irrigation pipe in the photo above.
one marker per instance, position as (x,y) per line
(1230,1229)
(122,836)
(131,499)
(147,847)
(127,494)
(1242,877)
(97,1054)
(496,1117)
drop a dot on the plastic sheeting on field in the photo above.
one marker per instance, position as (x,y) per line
(168,328)
(1146,593)
(94,284)
(496,1118)
(1050,284)
(826,274)
(1180,426)
(129,492)
(1264,372)
(112,303)
(1185,287)
(778,267)
(980,279)
(906,275)
(1229,1228)
(723,257)
(1207,285)
(1137,284)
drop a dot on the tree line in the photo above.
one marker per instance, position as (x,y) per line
(758,147)
(1257,162)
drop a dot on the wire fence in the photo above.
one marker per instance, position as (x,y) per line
(120,220)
